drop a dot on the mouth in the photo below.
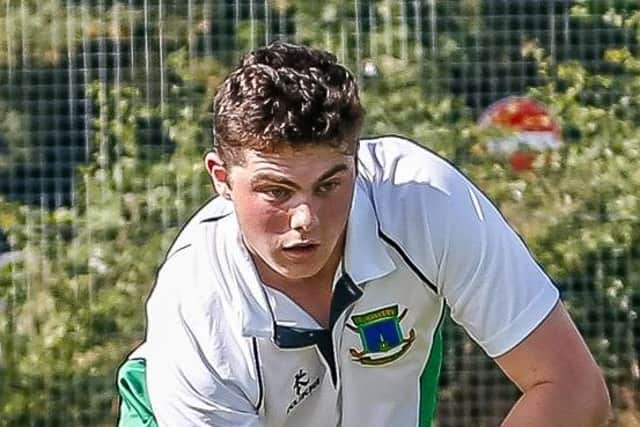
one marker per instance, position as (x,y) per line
(301,249)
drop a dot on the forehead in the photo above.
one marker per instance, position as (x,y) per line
(305,162)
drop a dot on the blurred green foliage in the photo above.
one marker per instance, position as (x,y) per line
(72,302)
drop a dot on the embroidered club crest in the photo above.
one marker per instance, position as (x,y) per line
(381,336)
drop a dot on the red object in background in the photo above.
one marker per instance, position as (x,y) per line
(522,160)
(532,130)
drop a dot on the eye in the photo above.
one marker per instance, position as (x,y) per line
(328,187)
(276,193)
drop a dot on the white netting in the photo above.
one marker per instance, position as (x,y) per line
(103,118)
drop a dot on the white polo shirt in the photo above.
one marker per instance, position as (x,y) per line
(222,349)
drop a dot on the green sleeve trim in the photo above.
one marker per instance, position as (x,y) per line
(135,406)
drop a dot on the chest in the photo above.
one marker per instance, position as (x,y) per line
(371,363)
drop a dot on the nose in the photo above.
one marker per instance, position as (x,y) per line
(302,217)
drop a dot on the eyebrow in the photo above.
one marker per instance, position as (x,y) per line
(284,181)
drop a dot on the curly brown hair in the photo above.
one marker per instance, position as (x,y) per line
(286,95)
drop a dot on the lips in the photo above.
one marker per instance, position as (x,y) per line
(300,249)
(300,245)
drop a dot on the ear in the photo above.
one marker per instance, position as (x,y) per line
(219,174)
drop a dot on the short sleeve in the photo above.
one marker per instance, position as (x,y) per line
(491,282)
(187,383)
(461,243)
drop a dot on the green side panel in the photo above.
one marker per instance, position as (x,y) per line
(135,406)
(429,382)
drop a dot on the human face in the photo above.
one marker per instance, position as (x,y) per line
(292,207)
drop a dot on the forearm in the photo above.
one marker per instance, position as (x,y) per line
(550,405)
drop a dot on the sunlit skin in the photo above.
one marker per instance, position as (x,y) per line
(292,207)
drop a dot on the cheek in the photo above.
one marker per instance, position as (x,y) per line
(336,210)
(259,219)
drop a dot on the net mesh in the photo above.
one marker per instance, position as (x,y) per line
(103,122)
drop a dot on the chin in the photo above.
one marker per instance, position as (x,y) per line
(298,273)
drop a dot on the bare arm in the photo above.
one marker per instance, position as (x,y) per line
(559,379)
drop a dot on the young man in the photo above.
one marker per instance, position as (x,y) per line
(312,290)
